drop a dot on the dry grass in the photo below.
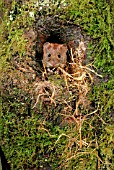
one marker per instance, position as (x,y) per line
(78,79)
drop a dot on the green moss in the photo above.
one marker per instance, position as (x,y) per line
(33,137)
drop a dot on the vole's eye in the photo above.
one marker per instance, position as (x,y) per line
(49,55)
(59,56)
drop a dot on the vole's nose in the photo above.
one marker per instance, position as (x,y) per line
(53,63)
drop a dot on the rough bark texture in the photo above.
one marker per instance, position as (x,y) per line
(52,29)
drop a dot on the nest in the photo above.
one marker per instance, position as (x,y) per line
(74,81)
(78,79)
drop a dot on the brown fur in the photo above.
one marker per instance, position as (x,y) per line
(54,55)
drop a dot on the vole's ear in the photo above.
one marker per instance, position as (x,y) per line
(46,46)
(64,48)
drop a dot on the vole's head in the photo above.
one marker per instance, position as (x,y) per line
(54,55)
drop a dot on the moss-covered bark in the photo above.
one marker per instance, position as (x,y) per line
(42,131)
